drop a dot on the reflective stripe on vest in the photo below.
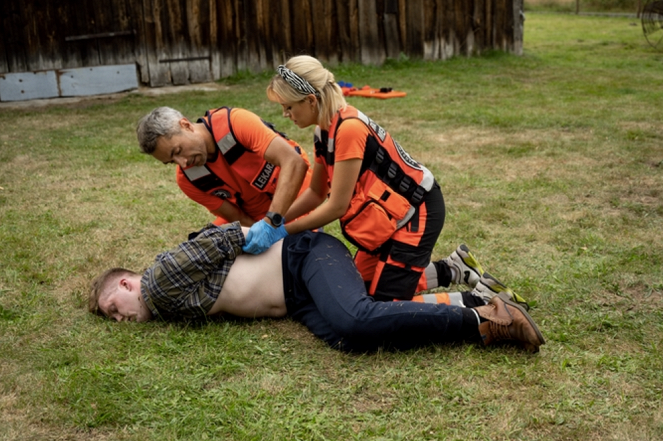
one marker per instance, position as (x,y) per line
(252,168)
(203,178)
(226,143)
(385,171)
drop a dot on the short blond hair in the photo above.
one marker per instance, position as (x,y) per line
(103,285)
(330,95)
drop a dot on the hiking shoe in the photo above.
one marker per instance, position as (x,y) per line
(488,287)
(468,269)
(506,321)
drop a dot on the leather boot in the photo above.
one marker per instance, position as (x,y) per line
(508,321)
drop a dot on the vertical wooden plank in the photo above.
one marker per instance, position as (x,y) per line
(263,42)
(135,10)
(4,36)
(503,33)
(430,41)
(505,12)
(347,17)
(392,36)
(498,13)
(43,49)
(379,22)
(174,43)
(13,23)
(402,25)
(99,21)
(251,34)
(485,21)
(70,52)
(468,33)
(84,24)
(302,27)
(319,15)
(436,30)
(281,32)
(458,38)
(453,46)
(332,26)
(197,20)
(158,72)
(122,46)
(371,47)
(445,26)
(124,20)
(226,45)
(240,26)
(213,32)
(490,19)
(415,20)
(470,45)
(271,25)
(477,25)
(518,26)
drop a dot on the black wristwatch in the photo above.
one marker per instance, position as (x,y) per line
(275,218)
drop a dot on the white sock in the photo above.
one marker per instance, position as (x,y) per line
(454,273)
(477,314)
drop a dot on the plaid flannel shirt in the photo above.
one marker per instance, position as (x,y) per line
(186,281)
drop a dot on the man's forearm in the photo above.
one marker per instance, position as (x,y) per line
(231,213)
(288,186)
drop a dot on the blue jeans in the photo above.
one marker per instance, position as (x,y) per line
(324,291)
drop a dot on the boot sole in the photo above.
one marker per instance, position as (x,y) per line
(504,297)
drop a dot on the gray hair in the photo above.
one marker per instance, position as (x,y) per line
(162,121)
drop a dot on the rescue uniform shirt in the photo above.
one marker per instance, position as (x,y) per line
(251,132)
(349,143)
(186,281)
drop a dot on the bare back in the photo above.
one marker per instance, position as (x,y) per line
(254,286)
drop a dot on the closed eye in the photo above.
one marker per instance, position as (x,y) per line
(176,151)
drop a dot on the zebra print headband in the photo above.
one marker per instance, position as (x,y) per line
(296,82)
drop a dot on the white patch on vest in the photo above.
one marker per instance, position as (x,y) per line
(379,131)
(194,173)
(405,156)
(226,143)
(406,218)
(428,179)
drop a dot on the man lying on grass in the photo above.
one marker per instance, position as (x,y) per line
(310,277)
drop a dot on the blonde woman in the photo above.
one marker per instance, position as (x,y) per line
(389,205)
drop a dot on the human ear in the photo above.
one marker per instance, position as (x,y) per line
(185,124)
(124,283)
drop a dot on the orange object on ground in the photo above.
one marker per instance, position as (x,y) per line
(369,92)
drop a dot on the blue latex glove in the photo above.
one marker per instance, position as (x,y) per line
(261,236)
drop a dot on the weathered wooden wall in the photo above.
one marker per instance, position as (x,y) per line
(190,41)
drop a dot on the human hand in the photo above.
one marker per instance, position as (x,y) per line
(261,236)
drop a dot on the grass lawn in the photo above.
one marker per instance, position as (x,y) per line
(552,168)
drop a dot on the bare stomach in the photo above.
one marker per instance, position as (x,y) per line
(254,286)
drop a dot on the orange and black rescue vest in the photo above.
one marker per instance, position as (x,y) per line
(390,186)
(249,165)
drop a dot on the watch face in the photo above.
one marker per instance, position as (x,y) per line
(276,219)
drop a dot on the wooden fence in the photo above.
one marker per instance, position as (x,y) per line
(192,41)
